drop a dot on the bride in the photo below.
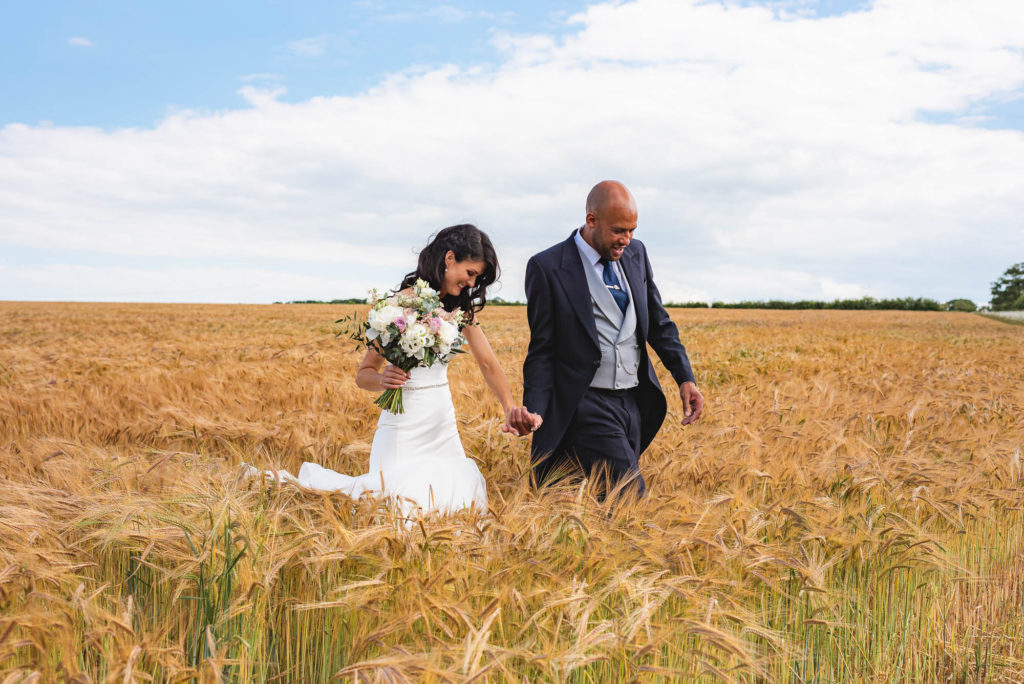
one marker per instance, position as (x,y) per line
(417,457)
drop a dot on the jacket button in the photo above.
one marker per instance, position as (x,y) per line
(596,364)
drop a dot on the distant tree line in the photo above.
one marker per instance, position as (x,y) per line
(864,303)
(350,300)
(961,305)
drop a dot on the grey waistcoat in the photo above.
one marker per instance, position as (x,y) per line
(616,333)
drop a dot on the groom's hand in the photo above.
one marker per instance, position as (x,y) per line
(693,402)
(519,421)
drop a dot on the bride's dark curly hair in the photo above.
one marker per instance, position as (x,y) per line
(468,243)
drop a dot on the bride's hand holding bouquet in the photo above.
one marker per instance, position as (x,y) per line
(408,329)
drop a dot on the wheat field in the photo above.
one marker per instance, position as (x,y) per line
(849,509)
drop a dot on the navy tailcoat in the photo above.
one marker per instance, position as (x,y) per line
(564,352)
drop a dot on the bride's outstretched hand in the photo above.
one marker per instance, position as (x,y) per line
(520,422)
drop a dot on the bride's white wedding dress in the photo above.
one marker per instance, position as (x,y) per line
(416,458)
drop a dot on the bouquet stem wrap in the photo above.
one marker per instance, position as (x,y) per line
(391,400)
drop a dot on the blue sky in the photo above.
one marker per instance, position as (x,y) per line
(267,151)
(137,61)
(144,60)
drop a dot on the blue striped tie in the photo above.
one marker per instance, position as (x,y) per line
(611,281)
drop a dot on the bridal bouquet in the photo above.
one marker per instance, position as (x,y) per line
(409,329)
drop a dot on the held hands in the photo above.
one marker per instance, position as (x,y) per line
(392,377)
(693,402)
(520,422)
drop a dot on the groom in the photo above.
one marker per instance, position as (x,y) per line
(593,308)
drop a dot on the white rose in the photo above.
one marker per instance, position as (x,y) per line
(448,332)
(380,319)
(372,318)
(390,313)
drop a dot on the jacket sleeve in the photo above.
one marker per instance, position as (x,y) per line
(663,335)
(538,368)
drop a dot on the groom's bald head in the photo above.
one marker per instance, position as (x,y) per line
(607,194)
(611,219)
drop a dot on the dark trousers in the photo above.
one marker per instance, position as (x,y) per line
(603,438)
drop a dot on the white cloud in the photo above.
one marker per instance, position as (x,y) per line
(79,41)
(703,283)
(174,284)
(772,154)
(312,48)
(261,97)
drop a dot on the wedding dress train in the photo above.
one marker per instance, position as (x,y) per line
(416,458)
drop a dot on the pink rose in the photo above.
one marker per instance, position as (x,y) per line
(435,324)
(400,323)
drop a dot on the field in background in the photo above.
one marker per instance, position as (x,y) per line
(848,510)
(1012,316)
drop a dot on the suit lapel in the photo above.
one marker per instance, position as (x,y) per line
(574,281)
(638,288)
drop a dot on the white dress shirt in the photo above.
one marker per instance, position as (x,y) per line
(590,256)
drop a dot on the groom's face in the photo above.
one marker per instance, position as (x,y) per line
(610,229)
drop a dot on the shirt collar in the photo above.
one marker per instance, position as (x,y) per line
(585,249)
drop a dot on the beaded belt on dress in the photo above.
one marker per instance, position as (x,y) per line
(423,387)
